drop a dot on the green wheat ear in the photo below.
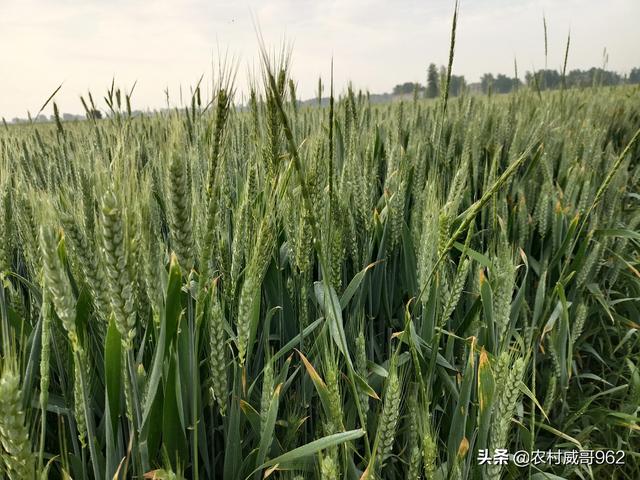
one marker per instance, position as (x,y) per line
(363,371)
(90,264)
(59,289)
(6,237)
(218,356)
(413,441)
(504,280)
(180,211)
(19,461)
(57,282)
(387,421)
(115,258)
(328,468)
(508,398)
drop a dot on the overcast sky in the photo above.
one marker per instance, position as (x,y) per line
(375,44)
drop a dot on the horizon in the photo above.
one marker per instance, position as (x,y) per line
(44,118)
(83,46)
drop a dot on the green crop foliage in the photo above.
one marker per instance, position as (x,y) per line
(373,291)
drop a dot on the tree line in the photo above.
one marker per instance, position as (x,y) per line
(547,79)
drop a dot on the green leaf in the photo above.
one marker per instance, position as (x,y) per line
(486,389)
(487,305)
(254,320)
(517,303)
(233,441)
(525,390)
(173,435)
(267,435)
(156,370)
(113,371)
(173,304)
(552,320)
(477,256)
(568,240)
(354,285)
(33,363)
(617,232)
(539,302)
(168,327)
(312,448)
(296,340)
(252,416)
(318,382)
(459,423)
(560,434)
(546,476)
(421,346)
(331,307)
(365,387)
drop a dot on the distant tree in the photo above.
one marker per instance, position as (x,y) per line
(406,88)
(593,76)
(95,114)
(433,87)
(579,78)
(634,75)
(607,77)
(457,85)
(486,82)
(548,79)
(528,79)
(504,84)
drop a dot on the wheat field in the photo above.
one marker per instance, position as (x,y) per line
(357,291)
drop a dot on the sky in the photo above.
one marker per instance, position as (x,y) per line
(165,45)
